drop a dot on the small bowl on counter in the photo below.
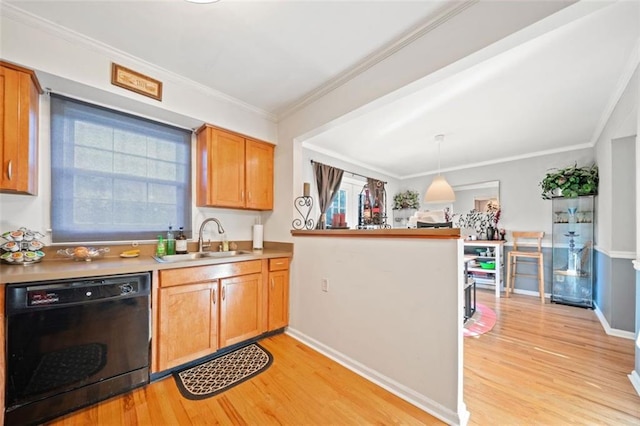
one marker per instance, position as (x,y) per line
(81,253)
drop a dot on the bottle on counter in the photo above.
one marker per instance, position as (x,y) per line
(181,242)
(367,208)
(225,242)
(170,242)
(160,247)
(375,212)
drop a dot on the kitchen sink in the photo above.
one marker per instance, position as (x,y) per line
(200,255)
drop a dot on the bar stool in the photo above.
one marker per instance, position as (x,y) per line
(524,240)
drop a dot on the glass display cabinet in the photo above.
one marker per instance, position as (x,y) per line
(573,229)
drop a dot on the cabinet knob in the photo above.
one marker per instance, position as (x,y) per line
(213,298)
(223,292)
(10,169)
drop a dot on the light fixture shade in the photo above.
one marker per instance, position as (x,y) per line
(440,191)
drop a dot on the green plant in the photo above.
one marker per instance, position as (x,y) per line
(570,182)
(406,200)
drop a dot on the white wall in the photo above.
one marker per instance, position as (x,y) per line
(617,126)
(71,65)
(392,312)
(523,208)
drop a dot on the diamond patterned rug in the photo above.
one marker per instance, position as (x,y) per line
(219,374)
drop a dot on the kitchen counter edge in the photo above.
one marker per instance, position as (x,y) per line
(63,269)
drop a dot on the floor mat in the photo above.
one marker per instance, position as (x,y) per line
(219,374)
(480,322)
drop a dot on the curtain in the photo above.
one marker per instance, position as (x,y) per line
(328,179)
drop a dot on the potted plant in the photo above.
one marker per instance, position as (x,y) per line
(404,205)
(570,182)
(406,200)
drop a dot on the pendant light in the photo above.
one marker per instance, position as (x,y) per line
(439,191)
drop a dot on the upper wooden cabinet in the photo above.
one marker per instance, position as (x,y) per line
(233,171)
(19,99)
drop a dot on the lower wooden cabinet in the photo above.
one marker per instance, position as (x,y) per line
(278,305)
(188,323)
(199,310)
(204,308)
(240,308)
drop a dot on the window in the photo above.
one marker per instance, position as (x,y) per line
(346,202)
(114,176)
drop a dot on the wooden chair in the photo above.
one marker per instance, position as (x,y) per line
(524,247)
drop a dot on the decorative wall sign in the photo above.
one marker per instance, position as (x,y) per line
(136,82)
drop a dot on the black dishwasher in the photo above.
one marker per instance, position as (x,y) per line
(74,342)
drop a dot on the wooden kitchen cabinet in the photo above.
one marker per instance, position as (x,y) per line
(204,308)
(278,303)
(19,108)
(188,323)
(233,171)
(240,309)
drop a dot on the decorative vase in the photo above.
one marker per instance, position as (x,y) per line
(491,233)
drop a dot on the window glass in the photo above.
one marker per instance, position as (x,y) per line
(114,176)
(345,205)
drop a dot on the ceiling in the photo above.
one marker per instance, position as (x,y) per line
(549,93)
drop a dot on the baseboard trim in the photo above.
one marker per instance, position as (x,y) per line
(635,381)
(398,389)
(607,328)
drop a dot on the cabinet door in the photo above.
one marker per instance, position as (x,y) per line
(220,169)
(259,173)
(188,323)
(278,300)
(19,131)
(240,308)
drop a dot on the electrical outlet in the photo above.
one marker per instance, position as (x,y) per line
(324,284)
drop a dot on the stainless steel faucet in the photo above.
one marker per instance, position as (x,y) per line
(220,231)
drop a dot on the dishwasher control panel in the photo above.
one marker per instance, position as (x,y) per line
(76,291)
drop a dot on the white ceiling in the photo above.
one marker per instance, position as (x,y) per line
(547,94)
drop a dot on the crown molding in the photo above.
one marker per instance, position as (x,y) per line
(347,159)
(376,57)
(19,15)
(502,160)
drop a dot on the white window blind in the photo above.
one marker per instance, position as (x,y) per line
(114,176)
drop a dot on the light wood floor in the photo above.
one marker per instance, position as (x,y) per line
(548,365)
(541,365)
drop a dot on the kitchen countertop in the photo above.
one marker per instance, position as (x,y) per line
(114,265)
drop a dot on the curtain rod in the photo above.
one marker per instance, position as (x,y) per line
(352,173)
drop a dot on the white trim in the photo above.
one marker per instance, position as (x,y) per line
(634,377)
(636,264)
(530,293)
(503,160)
(607,328)
(333,154)
(398,389)
(544,244)
(615,254)
(24,17)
